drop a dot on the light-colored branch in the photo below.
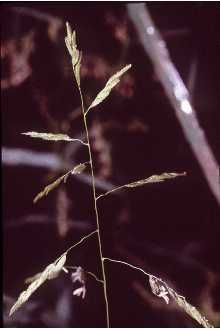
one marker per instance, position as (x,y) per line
(191,81)
(42,219)
(37,14)
(176,91)
(25,157)
(51,161)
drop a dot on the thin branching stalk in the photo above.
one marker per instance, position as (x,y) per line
(158,287)
(96,208)
(50,272)
(95,277)
(162,290)
(80,241)
(76,57)
(127,264)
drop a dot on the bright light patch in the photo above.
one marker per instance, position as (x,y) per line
(150,30)
(186,107)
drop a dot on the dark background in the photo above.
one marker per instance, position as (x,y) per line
(169,229)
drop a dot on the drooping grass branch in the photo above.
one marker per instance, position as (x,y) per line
(152,179)
(176,91)
(162,290)
(76,170)
(50,272)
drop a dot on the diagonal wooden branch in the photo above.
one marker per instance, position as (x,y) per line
(176,91)
(40,15)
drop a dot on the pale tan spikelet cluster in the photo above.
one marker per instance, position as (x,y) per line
(76,170)
(50,272)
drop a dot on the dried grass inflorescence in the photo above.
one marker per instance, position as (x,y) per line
(76,170)
(50,272)
(158,287)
